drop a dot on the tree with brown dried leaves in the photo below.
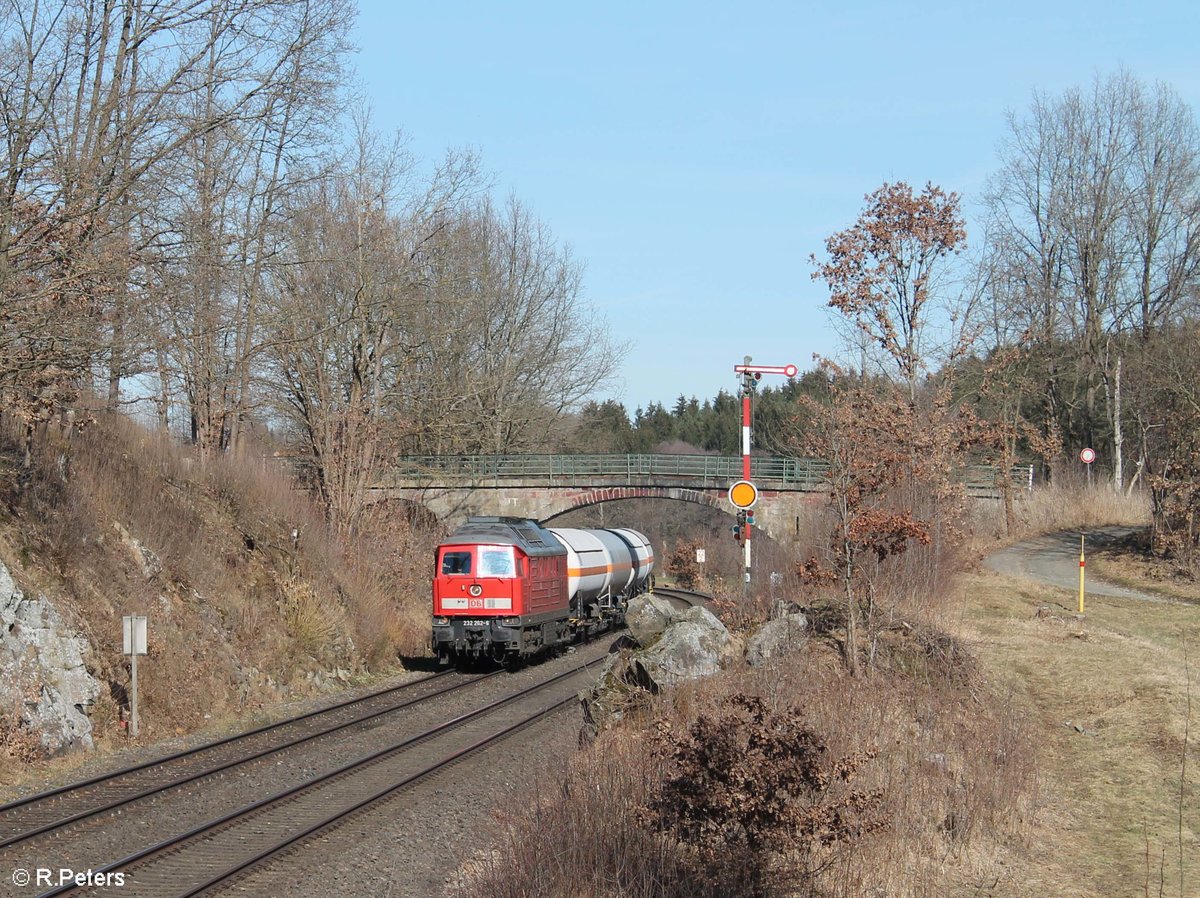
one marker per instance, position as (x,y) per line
(682,565)
(864,433)
(891,443)
(884,271)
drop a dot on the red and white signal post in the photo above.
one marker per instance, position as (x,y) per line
(744,493)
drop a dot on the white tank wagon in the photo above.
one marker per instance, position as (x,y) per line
(643,559)
(605,569)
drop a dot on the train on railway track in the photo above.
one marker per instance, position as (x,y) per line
(507,588)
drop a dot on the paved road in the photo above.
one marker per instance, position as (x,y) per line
(1054,559)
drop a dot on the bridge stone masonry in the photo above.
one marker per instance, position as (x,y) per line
(543,487)
(776,512)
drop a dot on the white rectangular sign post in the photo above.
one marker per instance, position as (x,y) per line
(133,631)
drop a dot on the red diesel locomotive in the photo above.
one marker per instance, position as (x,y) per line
(507,588)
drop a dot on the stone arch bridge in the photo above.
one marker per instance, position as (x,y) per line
(543,487)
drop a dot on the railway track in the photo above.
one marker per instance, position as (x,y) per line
(220,849)
(47,812)
(682,599)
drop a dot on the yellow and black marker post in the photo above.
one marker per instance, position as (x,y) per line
(1082,563)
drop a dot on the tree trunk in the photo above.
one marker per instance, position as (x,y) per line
(1006,484)
(851,611)
(1118,439)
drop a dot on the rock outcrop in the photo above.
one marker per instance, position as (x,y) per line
(777,637)
(664,647)
(648,617)
(690,647)
(45,688)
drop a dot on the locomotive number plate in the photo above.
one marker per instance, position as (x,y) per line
(467,622)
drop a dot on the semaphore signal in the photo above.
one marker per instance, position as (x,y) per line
(759,370)
(743,494)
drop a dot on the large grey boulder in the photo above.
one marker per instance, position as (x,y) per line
(777,638)
(44,685)
(647,617)
(691,647)
(665,647)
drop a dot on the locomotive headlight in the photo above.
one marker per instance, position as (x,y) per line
(510,621)
(440,621)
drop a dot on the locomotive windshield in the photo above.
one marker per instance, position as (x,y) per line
(456,562)
(496,561)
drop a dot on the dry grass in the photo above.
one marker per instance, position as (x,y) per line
(950,765)
(1051,508)
(1108,819)
(1129,563)
(1044,759)
(1046,763)
(248,594)
(1114,816)
(573,842)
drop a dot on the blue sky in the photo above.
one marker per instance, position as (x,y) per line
(694,155)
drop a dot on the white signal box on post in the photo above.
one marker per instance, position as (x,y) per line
(133,632)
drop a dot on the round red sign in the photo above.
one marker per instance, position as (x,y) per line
(1087,456)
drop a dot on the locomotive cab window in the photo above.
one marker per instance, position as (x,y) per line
(456,562)
(497,561)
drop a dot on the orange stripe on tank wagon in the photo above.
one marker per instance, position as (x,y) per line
(592,571)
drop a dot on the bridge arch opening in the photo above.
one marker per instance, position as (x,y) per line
(611,494)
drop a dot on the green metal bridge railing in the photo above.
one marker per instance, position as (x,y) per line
(705,471)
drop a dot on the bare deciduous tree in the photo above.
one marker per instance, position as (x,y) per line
(106,102)
(345,322)
(522,347)
(1095,225)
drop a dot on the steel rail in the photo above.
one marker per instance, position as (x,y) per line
(280,797)
(42,829)
(684,595)
(50,793)
(377,797)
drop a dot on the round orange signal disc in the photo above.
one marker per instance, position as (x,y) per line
(743,494)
